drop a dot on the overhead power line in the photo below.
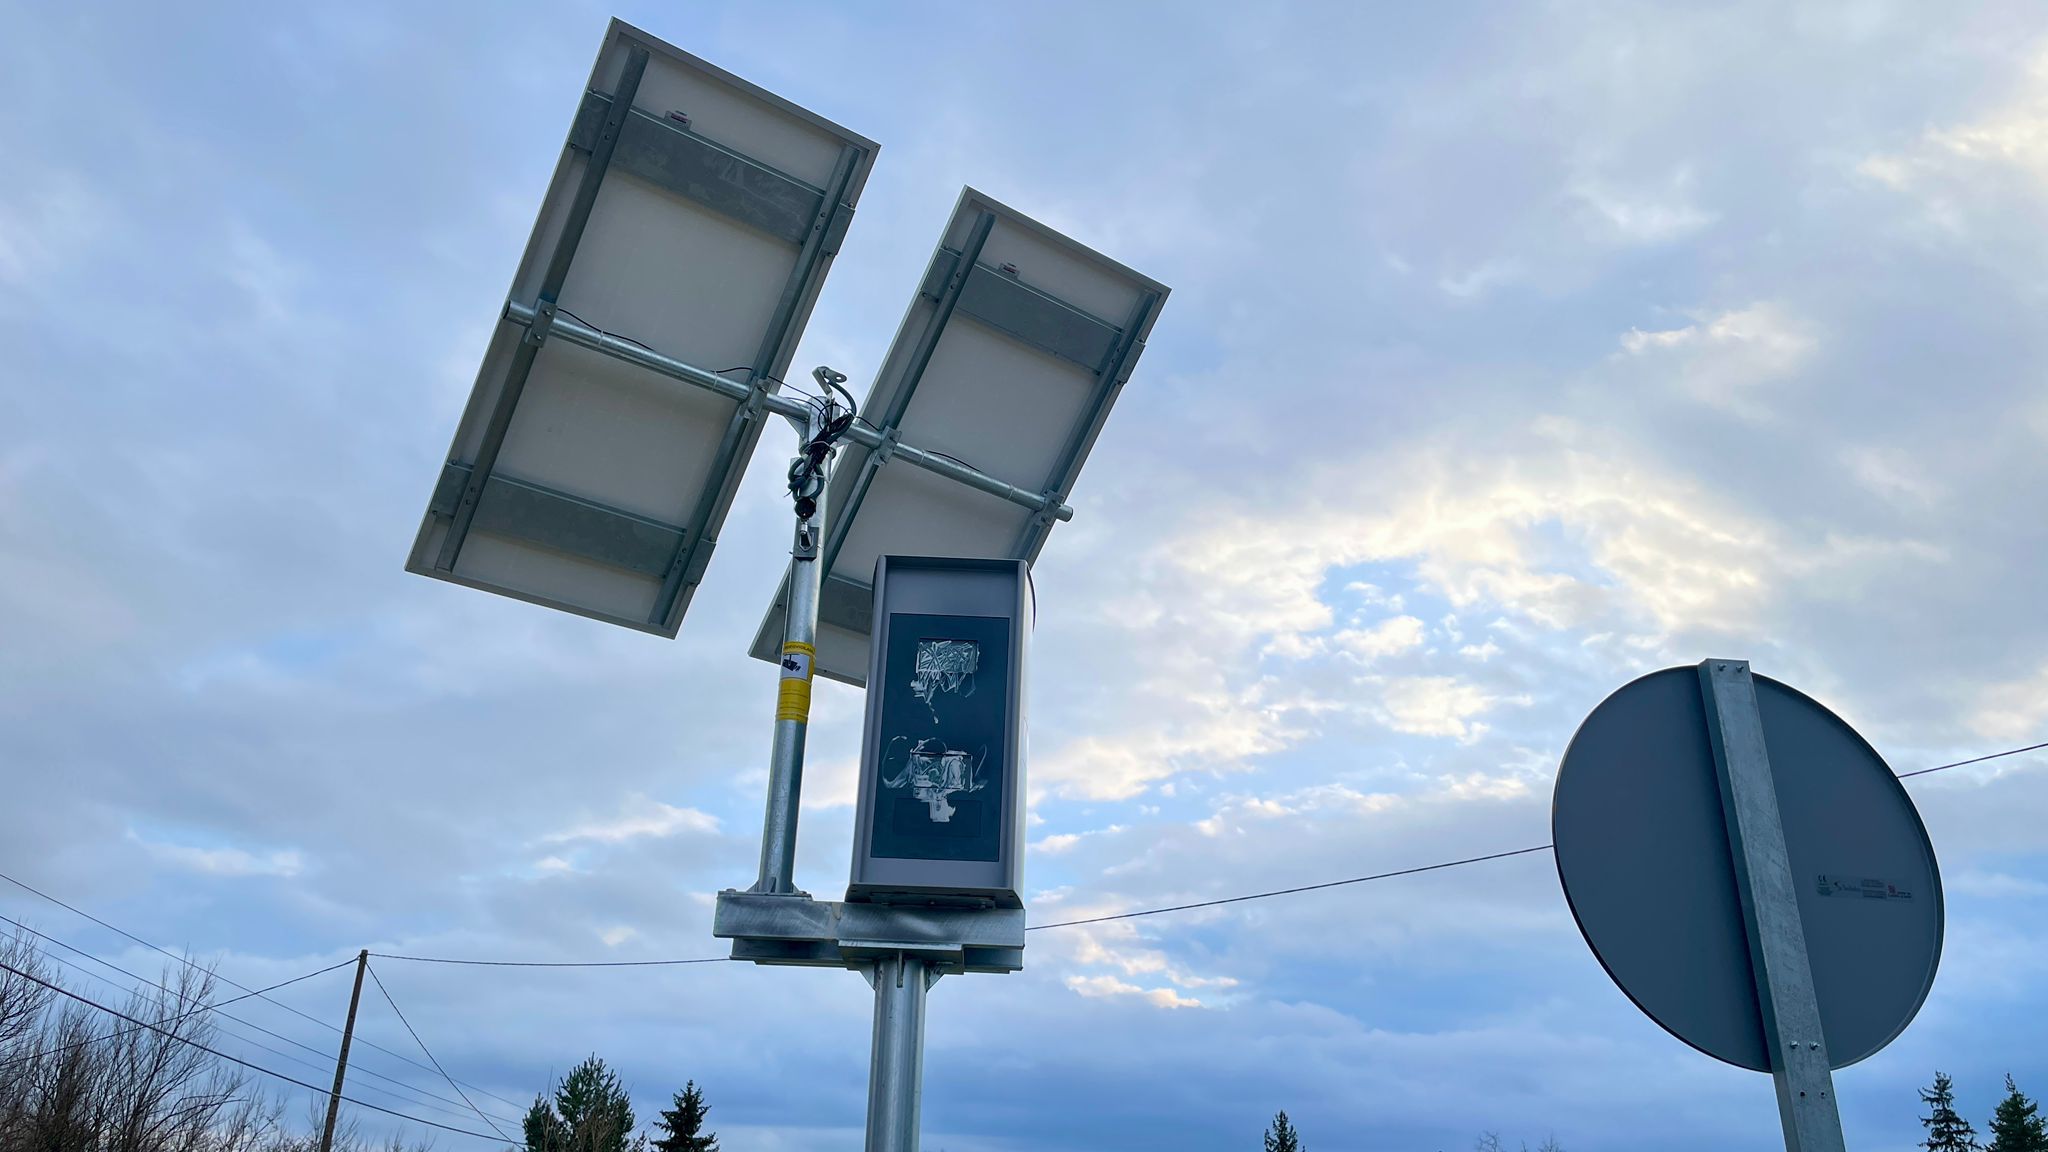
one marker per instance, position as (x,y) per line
(58,1051)
(488,1122)
(232,984)
(552,963)
(1428,867)
(1289,891)
(251,1065)
(216,1010)
(1189,907)
(1976,760)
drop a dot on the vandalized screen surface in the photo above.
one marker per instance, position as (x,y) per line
(939,787)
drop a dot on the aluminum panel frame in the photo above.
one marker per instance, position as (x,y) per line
(995,275)
(695,152)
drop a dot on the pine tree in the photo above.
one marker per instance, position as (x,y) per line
(590,1113)
(1281,1136)
(1946,1131)
(684,1122)
(2017,1125)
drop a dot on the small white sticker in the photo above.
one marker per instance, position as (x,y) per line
(796,665)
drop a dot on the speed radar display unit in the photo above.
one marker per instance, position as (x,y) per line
(941,814)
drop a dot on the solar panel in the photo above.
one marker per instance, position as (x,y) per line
(691,214)
(1009,358)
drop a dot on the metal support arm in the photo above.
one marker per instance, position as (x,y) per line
(582,335)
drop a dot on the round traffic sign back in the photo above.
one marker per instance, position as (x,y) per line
(1643,854)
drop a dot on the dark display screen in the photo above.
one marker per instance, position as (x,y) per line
(939,784)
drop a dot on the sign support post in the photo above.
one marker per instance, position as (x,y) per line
(896,1066)
(1770,911)
(799,660)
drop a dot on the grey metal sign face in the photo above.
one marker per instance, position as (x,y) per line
(1643,853)
(941,788)
(691,215)
(1009,359)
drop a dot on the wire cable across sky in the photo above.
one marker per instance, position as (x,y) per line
(419,1097)
(488,1122)
(1161,911)
(1075,923)
(239,987)
(251,1065)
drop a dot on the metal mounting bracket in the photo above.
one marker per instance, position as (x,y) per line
(543,321)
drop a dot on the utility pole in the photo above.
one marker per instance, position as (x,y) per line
(348,1032)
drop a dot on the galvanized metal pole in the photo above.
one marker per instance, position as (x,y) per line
(896,1066)
(793,696)
(348,1032)
(1770,911)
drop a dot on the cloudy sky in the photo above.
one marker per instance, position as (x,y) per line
(1513,351)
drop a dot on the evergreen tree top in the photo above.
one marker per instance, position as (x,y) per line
(1281,1136)
(1946,1130)
(684,1123)
(2017,1126)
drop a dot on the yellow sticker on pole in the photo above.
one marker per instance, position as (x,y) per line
(793,702)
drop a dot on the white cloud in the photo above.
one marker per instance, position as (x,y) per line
(1727,360)
(1387,638)
(1434,706)
(640,817)
(1898,476)
(617,935)
(1230,732)
(1481,279)
(2014,711)
(1657,217)
(1566,532)
(226,861)
(1969,177)
(1097,986)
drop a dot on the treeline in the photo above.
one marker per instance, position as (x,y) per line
(76,1079)
(2016,1126)
(590,1111)
(148,1072)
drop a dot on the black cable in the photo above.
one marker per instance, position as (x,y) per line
(1290,891)
(1435,867)
(881,431)
(553,963)
(225,1032)
(254,1067)
(1198,904)
(371,1072)
(602,332)
(1977,760)
(185,1016)
(953,458)
(430,1055)
(230,983)
(1032,928)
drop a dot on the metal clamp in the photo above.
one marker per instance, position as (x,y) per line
(1050,507)
(543,320)
(882,451)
